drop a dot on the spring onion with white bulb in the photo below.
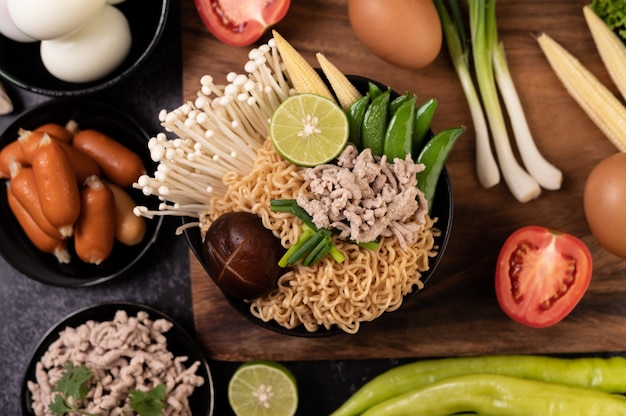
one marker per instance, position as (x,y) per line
(545,173)
(458,46)
(493,77)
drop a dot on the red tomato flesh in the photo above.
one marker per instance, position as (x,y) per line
(541,275)
(240,22)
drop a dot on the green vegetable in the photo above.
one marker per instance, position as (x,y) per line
(308,246)
(149,403)
(399,135)
(356,114)
(493,77)
(434,156)
(491,395)
(423,118)
(613,12)
(398,101)
(602,374)
(373,90)
(313,243)
(459,48)
(73,386)
(375,123)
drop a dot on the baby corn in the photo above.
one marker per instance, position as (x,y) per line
(346,93)
(302,75)
(611,48)
(604,109)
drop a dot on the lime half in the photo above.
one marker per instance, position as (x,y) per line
(309,130)
(263,388)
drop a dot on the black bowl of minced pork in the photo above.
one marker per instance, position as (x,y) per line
(442,210)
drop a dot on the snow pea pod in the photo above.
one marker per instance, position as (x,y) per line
(423,119)
(498,395)
(602,374)
(399,135)
(398,101)
(356,114)
(434,156)
(374,90)
(375,123)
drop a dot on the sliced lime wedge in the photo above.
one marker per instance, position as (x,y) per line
(263,388)
(309,130)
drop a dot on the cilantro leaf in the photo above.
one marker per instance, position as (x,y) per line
(71,385)
(73,382)
(149,403)
(58,406)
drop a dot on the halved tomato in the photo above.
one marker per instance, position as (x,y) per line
(240,22)
(541,275)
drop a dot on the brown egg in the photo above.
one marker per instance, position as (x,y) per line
(405,33)
(605,203)
(241,255)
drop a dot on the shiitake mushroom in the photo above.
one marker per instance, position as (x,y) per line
(241,255)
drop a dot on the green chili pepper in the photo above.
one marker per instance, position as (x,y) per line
(492,394)
(603,374)
(356,114)
(434,156)
(423,119)
(398,101)
(375,123)
(399,137)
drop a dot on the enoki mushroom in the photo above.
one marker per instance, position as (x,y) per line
(217,133)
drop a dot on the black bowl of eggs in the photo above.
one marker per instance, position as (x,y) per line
(76,47)
(244,247)
(67,169)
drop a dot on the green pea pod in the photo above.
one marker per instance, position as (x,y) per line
(374,90)
(434,156)
(491,394)
(423,119)
(398,101)
(398,137)
(375,124)
(602,374)
(356,114)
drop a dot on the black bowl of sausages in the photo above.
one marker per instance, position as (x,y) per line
(68,167)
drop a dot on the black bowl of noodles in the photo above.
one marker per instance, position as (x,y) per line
(442,210)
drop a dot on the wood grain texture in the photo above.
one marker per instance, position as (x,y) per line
(457,313)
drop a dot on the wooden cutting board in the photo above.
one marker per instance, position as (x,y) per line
(457,313)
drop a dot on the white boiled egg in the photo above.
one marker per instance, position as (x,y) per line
(50,19)
(8,28)
(91,53)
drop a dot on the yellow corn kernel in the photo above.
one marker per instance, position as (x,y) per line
(602,107)
(611,48)
(342,87)
(302,75)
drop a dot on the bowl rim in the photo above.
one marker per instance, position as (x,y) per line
(84,313)
(106,81)
(54,277)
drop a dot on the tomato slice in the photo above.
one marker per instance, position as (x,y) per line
(240,22)
(541,275)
